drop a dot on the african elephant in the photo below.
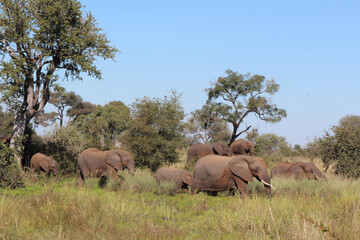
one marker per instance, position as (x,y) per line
(214,173)
(298,170)
(198,150)
(182,178)
(96,163)
(44,164)
(242,147)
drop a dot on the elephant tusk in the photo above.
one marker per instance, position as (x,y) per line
(132,172)
(267,184)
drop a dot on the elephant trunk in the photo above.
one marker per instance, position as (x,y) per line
(56,173)
(265,179)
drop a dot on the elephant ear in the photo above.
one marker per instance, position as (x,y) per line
(217,148)
(114,159)
(298,171)
(240,167)
(44,165)
(186,177)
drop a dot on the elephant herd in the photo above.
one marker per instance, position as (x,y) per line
(217,168)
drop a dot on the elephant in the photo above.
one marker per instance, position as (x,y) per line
(298,170)
(242,147)
(198,150)
(214,173)
(95,163)
(182,178)
(43,164)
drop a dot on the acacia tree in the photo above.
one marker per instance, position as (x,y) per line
(237,95)
(61,99)
(37,39)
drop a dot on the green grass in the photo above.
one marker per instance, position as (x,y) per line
(138,208)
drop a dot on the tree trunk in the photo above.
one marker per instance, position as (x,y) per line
(17,135)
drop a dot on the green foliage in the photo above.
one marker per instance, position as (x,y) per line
(270,143)
(82,108)
(272,148)
(10,174)
(104,126)
(240,95)
(340,146)
(205,126)
(155,131)
(6,124)
(38,38)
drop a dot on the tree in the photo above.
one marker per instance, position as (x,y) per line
(270,143)
(340,146)
(82,108)
(61,99)
(104,125)
(240,95)
(204,125)
(38,38)
(155,131)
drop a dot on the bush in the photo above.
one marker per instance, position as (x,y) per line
(340,147)
(10,173)
(155,131)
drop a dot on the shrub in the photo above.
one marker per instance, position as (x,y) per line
(340,146)
(10,173)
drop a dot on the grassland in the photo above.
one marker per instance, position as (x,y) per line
(140,209)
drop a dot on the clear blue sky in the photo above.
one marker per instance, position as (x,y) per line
(311,48)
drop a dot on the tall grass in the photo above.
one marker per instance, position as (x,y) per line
(138,208)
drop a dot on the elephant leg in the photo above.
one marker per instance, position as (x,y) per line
(232,192)
(184,188)
(242,187)
(212,193)
(113,173)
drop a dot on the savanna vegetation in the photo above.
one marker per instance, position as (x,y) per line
(37,49)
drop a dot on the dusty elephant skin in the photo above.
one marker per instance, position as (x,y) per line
(242,147)
(95,163)
(182,178)
(214,173)
(198,150)
(298,170)
(43,164)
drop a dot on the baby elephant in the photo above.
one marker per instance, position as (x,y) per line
(44,164)
(181,177)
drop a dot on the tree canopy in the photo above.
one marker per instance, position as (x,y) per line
(340,146)
(237,95)
(61,99)
(204,125)
(104,126)
(39,38)
(155,131)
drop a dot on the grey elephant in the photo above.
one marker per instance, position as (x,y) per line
(44,164)
(242,147)
(95,163)
(198,150)
(182,178)
(298,170)
(214,173)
